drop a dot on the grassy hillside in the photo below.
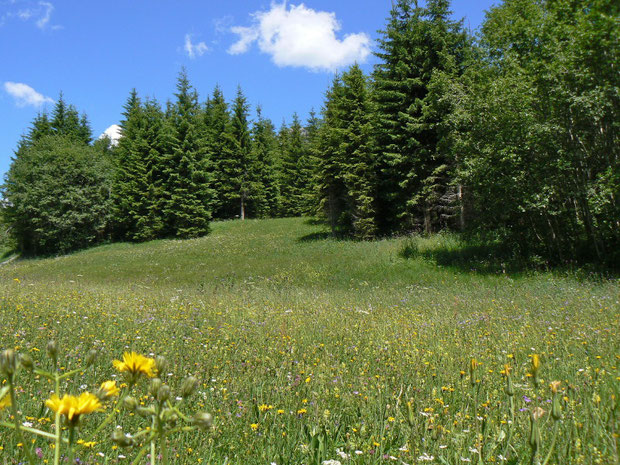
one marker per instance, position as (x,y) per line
(329,336)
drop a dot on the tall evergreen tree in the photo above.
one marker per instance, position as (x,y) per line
(347,160)
(243,178)
(66,121)
(140,182)
(417,44)
(295,170)
(187,210)
(264,147)
(219,146)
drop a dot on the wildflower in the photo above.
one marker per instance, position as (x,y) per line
(265,407)
(254,426)
(554,386)
(136,364)
(537,413)
(301,411)
(87,444)
(535,368)
(108,389)
(5,401)
(72,407)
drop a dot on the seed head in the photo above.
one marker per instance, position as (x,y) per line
(52,350)
(188,386)
(120,439)
(26,361)
(8,362)
(203,420)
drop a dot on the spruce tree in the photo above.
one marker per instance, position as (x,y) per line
(219,147)
(126,192)
(242,170)
(417,44)
(294,169)
(264,147)
(187,209)
(346,158)
(66,121)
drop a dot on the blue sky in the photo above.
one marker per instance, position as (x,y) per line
(95,52)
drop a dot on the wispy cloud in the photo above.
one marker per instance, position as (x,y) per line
(25,95)
(194,50)
(26,10)
(44,20)
(301,37)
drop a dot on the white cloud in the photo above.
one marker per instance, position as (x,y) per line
(25,95)
(194,50)
(302,37)
(43,21)
(38,12)
(113,132)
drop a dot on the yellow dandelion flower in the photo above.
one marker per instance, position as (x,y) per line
(301,411)
(254,426)
(5,401)
(108,389)
(136,364)
(72,407)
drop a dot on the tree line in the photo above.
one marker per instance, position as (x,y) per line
(510,135)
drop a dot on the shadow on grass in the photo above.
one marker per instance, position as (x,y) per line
(313,221)
(476,258)
(316,236)
(452,251)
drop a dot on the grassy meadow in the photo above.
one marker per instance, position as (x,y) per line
(310,350)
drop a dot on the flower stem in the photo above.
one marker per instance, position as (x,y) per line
(18,427)
(57,429)
(71,441)
(38,432)
(556,427)
(153,444)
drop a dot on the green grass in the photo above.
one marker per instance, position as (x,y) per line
(273,312)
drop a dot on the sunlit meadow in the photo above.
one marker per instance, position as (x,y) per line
(306,350)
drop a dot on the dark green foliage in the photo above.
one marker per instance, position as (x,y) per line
(417,46)
(57,195)
(139,187)
(264,146)
(188,198)
(239,169)
(346,157)
(66,122)
(295,169)
(220,147)
(539,129)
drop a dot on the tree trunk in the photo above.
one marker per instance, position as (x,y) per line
(242,215)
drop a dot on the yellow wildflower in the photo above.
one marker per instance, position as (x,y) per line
(554,386)
(5,401)
(108,389)
(72,407)
(254,426)
(136,364)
